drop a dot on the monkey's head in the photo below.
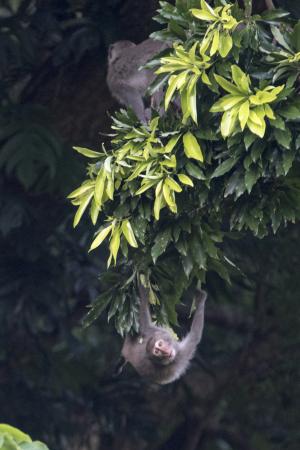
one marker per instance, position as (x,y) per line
(161,349)
(115,50)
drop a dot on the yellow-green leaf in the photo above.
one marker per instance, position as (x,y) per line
(110,188)
(170,91)
(269,112)
(255,128)
(239,79)
(228,122)
(202,15)
(215,42)
(99,186)
(225,44)
(147,185)
(169,198)
(171,143)
(158,205)
(100,237)
(83,205)
(244,114)
(84,188)
(185,179)
(115,243)
(16,434)
(227,86)
(128,233)
(192,97)
(87,152)
(173,184)
(226,102)
(192,148)
(94,213)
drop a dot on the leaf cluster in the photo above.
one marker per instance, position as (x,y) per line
(226,162)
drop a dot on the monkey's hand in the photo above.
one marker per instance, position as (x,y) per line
(200,297)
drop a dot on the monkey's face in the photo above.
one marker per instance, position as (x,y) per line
(163,351)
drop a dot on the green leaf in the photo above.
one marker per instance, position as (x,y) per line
(192,148)
(99,306)
(87,152)
(283,137)
(100,237)
(251,177)
(162,240)
(278,122)
(128,233)
(195,171)
(224,167)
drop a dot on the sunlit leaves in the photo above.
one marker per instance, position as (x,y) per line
(192,67)
(192,148)
(12,438)
(243,107)
(116,229)
(217,37)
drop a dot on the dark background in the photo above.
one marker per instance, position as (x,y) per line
(242,390)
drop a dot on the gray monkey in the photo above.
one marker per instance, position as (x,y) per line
(154,353)
(126,82)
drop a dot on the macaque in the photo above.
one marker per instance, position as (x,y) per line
(154,353)
(126,82)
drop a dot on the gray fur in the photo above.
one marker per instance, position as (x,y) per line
(135,348)
(126,82)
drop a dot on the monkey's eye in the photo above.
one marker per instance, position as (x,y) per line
(156,352)
(159,343)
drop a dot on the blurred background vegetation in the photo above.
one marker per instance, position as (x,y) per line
(56,382)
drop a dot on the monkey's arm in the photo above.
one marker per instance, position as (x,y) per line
(193,338)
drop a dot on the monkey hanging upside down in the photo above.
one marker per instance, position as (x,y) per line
(154,353)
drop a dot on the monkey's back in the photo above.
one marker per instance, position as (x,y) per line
(125,69)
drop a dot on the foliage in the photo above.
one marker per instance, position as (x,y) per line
(13,439)
(170,188)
